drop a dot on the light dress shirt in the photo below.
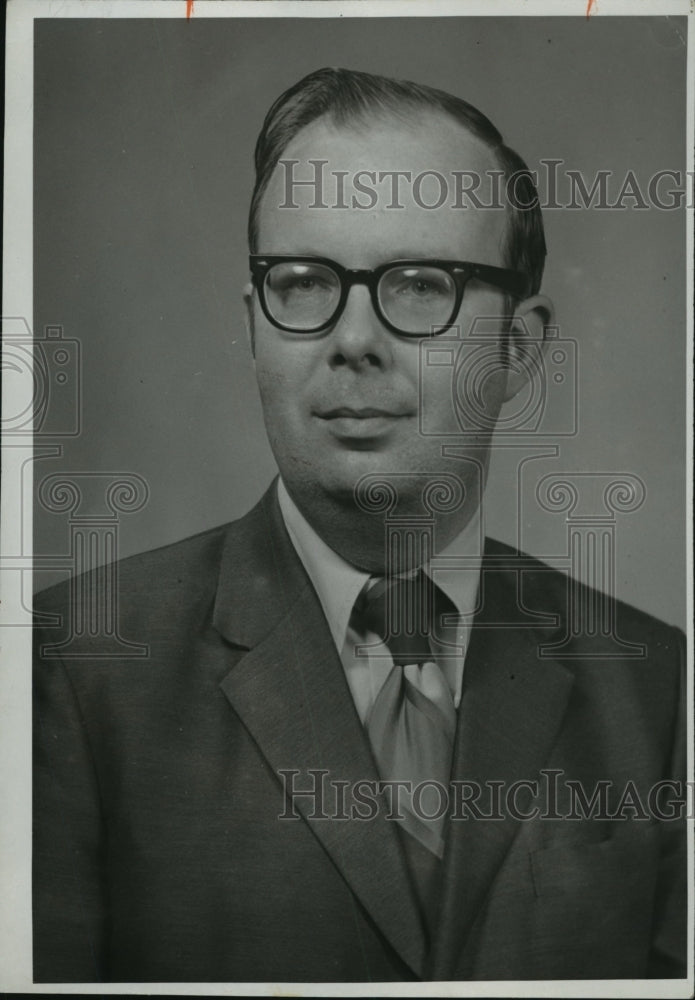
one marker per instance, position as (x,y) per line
(366,660)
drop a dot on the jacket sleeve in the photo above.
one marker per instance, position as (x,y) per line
(668,956)
(68,885)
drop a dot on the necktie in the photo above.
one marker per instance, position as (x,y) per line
(412,722)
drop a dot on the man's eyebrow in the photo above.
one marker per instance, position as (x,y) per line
(407,253)
(301,251)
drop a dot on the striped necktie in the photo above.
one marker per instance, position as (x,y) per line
(412,722)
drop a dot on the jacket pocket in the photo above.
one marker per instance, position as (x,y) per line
(624,861)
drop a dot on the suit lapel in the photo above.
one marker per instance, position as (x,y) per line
(511,710)
(290,692)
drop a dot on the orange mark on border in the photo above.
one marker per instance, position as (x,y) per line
(189,7)
(589,5)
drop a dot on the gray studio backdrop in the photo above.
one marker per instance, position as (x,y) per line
(144,132)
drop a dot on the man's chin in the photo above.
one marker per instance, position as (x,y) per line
(376,483)
(341,482)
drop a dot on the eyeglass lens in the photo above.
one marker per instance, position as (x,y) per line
(305,296)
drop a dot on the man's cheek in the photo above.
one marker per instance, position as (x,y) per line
(272,382)
(479,386)
(283,406)
(461,387)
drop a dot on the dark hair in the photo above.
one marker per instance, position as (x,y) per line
(346,95)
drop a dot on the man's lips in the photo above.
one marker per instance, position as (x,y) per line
(353,424)
(359,413)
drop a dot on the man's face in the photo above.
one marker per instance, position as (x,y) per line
(348,401)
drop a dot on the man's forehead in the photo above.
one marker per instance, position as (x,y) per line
(416,141)
(387,182)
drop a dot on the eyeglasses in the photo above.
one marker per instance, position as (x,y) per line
(414,298)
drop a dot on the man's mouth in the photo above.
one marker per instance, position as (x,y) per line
(361,423)
(358,413)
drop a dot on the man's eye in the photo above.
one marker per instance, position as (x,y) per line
(300,283)
(421,288)
(306,284)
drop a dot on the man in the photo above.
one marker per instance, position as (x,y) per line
(347,756)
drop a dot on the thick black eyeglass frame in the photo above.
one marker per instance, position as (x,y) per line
(460,271)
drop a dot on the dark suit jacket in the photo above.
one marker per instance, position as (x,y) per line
(158,852)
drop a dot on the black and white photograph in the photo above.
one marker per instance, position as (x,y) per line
(347,460)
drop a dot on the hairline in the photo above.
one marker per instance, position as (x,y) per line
(360,120)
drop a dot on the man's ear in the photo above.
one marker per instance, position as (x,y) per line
(526,341)
(248,317)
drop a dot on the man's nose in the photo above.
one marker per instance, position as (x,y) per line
(359,340)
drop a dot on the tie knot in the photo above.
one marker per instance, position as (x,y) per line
(400,610)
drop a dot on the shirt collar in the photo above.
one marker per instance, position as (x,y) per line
(338,583)
(456,569)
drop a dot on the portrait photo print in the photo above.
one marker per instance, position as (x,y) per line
(352,498)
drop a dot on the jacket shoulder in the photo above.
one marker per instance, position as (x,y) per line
(548,590)
(147,576)
(624,662)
